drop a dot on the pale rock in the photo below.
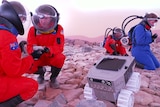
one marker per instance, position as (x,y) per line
(84,80)
(55,104)
(143,98)
(154,86)
(148,73)
(52,93)
(81,64)
(138,105)
(154,105)
(73,81)
(68,75)
(78,73)
(42,103)
(148,90)
(144,81)
(62,79)
(61,99)
(73,103)
(68,86)
(71,70)
(91,103)
(73,94)
(79,69)
(156,99)
(109,104)
(154,78)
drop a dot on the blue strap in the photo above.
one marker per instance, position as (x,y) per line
(12,30)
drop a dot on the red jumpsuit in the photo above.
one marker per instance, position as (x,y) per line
(12,66)
(53,41)
(119,47)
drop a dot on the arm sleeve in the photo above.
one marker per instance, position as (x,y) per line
(108,44)
(11,62)
(31,40)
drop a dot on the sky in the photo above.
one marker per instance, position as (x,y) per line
(91,17)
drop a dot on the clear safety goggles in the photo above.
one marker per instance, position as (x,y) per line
(120,32)
(152,19)
(43,16)
(22,17)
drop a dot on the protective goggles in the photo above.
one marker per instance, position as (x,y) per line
(152,19)
(42,16)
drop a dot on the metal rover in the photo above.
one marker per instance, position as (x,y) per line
(113,78)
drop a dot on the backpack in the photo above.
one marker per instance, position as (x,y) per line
(106,35)
(104,42)
(131,36)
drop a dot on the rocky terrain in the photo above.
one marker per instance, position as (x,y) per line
(80,57)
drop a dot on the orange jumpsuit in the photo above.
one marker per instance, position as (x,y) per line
(12,66)
(53,41)
(119,47)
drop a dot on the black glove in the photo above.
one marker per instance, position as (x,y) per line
(21,45)
(154,37)
(36,54)
(46,50)
(115,53)
(126,55)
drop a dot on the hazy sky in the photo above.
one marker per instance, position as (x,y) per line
(92,17)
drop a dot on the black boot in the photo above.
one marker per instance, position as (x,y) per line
(13,102)
(41,72)
(139,65)
(53,82)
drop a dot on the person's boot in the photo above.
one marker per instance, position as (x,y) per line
(13,102)
(139,65)
(41,72)
(53,81)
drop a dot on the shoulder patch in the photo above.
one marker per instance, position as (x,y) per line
(14,45)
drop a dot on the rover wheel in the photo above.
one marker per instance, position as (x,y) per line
(134,82)
(88,92)
(125,98)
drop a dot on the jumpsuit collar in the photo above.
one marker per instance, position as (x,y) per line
(13,30)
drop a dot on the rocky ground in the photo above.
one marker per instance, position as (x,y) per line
(80,57)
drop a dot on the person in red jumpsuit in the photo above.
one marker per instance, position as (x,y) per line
(14,87)
(47,35)
(113,44)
